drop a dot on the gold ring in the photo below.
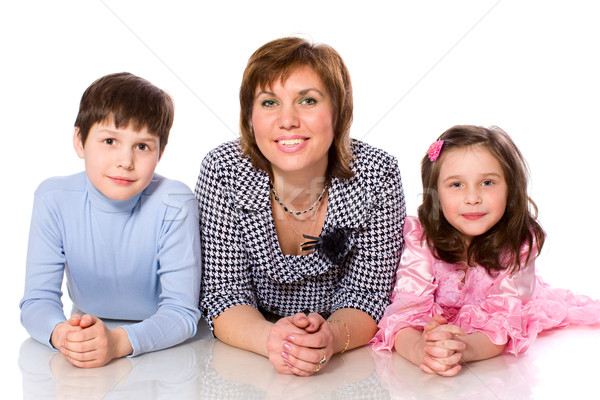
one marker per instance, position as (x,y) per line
(323,360)
(318,368)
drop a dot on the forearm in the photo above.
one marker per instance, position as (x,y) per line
(479,347)
(167,328)
(244,327)
(361,328)
(410,344)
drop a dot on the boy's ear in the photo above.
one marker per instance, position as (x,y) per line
(77,143)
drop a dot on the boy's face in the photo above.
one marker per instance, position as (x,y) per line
(119,162)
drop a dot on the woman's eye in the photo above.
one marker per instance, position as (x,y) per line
(268,103)
(309,101)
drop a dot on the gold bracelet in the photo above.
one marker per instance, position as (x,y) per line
(347,333)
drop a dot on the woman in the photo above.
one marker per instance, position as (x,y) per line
(299,222)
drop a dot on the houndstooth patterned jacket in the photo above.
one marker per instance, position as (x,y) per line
(241,257)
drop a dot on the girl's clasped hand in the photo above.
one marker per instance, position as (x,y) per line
(443,348)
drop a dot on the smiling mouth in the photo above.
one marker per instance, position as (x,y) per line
(291,142)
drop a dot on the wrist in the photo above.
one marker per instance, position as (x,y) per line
(57,335)
(341,335)
(121,343)
(410,344)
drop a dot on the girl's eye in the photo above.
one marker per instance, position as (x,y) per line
(309,101)
(456,184)
(142,147)
(487,182)
(268,103)
(109,141)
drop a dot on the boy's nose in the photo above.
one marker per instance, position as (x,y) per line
(125,160)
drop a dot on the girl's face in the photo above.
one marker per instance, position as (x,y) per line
(293,123)
(472,189)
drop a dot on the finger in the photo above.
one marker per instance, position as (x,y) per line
(450,344)
(86,364)
(309,340)
(426,369)
(87,320)
(451,372)
(451,360)
(302,367)
(438,352)
(315,320)
(300,320)
(455,330)
(434,322)
(80,356)
(441,333)
(280,364)
(82,335)
(307,354)
(438,365)
(437,336)
(74,320)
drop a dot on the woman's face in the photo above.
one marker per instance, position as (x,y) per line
(293,124)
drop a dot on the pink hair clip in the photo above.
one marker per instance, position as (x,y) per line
(434,150)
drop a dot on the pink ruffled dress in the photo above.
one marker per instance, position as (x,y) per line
(508,308)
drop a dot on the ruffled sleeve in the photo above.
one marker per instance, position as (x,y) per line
(413,297)
(505,315)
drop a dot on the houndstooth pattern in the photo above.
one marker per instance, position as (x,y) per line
(242,260)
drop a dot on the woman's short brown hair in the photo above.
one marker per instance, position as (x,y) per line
(124,98)
(499,248)
(277,60)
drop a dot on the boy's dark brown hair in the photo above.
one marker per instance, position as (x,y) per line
(500,247)
(277,60)
(124,99)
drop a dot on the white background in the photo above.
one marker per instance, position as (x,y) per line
(418,68)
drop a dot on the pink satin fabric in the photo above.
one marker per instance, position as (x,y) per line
(508,308)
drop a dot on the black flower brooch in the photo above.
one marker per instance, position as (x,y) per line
(333,244)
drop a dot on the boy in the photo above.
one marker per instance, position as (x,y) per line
(126,238)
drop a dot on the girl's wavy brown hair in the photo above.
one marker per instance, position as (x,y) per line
(500,247)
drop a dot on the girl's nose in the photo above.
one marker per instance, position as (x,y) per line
(473,197)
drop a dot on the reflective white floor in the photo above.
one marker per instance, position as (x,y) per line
(560,364)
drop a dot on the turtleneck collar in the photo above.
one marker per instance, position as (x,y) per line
(106,204)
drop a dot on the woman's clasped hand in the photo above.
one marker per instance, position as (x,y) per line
(301,344)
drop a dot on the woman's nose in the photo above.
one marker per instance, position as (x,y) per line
(288,117)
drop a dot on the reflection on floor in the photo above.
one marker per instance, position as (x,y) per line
(559,364)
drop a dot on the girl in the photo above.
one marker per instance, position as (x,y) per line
(466,287)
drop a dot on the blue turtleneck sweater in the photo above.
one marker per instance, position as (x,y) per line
(136,259)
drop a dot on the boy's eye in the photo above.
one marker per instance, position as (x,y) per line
(309,101)
(142,147)
(109,141)
(268,103)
